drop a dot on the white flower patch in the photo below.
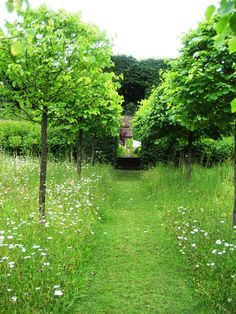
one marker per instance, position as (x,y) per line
(14,299)
(58,293)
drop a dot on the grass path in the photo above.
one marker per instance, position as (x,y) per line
(134,268)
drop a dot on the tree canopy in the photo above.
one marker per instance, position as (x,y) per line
(139,77)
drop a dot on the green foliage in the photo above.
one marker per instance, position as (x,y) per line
(19,137)
(128,150)
(209,12)
(194,96)
(105,148)
(139,77)
(23,138)
(206,151)
(225,24)
(121,151)
(15,5)
(59,67)
(233,105)
(205,85)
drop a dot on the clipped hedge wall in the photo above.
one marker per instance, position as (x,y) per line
(23,138)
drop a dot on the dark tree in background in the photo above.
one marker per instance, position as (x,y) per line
(139,76)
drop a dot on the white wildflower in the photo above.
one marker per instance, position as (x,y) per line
(58,293)
(14,299)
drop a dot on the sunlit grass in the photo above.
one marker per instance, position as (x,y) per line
(40,264)
(43,266)
(199,214)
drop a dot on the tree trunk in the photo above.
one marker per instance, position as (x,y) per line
(234,212)
(43,165)
(79,152)
(189,157)
(71,157)
(93,151)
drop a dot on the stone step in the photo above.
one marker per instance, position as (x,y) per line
(128,163)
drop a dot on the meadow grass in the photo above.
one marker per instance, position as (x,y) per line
(41,263)
(116,242)
(199,215)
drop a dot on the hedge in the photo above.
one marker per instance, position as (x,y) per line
(23,138)
(206,152)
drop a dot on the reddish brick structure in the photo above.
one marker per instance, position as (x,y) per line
(126,131)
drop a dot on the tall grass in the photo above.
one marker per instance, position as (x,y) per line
(199,215)
(40,264)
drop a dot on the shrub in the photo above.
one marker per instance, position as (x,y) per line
(23,138)
(19,137)
(105,148)
(206,152)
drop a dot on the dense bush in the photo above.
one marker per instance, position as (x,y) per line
(105,148)
(205,152)
(23,138)
(19,137)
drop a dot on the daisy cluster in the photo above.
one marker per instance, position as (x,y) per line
(40,260)
(210,251)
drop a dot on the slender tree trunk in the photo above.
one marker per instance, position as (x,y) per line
(93,151)
(189,157)
(43,165)
(234,212)
(79,152)
(71,157)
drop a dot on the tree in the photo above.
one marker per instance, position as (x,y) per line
(225,27)
(94,114)
(198,89)
(157,118)
(44,65)
(206,85)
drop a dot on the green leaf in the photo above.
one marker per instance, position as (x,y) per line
(209,12)
(16,48)
(232,23)
(10,6)
(226,7)
(220,26)
(219,40)
(232,44)
(233,105)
